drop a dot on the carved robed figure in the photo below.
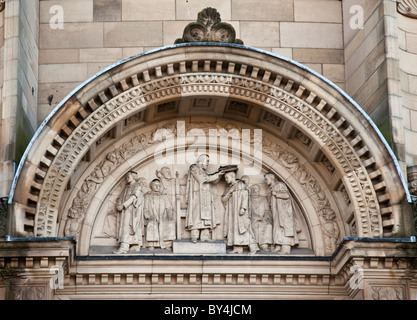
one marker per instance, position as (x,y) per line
(201,214)
(130,218)
(261,218)
(159,213)
(284,233)
(237,227)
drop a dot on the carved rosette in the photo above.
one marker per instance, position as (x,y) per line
(407,8)
(209,28)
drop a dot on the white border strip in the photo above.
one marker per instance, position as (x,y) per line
(343,93)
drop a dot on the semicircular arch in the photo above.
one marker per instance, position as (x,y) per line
(219,81)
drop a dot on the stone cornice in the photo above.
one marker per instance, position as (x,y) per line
(25,264)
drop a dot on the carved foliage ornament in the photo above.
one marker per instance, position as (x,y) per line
(209,28)
(407,8)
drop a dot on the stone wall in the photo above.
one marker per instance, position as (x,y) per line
(116,29)
(20,84)
(408,53)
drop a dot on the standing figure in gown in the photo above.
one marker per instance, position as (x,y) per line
(159,213)
(130,214)
(284,234)
(201,209)
(237,229)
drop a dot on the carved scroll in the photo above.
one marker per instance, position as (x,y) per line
(407,8)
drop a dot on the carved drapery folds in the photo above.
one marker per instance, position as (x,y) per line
(263,81)
(209,28)
(407,8)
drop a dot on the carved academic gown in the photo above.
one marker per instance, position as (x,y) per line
(201,213)
(261,219)
(238,227)
(284,224)
(130,220)
(161,225)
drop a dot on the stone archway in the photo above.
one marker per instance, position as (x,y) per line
(343,163)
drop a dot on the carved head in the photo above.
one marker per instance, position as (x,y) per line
(143,184)
(255,189)
(230,177)
(156,185)
(269,178)
(203,161)
(131,176)
(166,172)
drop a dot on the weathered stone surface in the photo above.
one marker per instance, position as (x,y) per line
(269,10)
(188,10)
(310,35)
(71,72)
(307,55)
(107,10)
(139,10)
(132,34)
(69,37)
(201,247)
(260,34)
(318,11)
(73,11)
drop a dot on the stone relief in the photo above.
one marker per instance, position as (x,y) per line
(201,211)
(130,207)
(238,226)
(159,214)
(387,293)
(274,97)
(190,208)
(181,193)
(284,235)
(29,293)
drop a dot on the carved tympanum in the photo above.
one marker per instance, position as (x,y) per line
(249,220)
(209,28)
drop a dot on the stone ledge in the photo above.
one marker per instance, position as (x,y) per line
(201,247)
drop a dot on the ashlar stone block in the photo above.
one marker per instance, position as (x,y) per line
(260,34)
(132,34)
(270,10)
(107,10)
(101,55)
(71,72)
(318,11)
(139,10)
(69,37)
(311,35)
(73,11)
(201,247)
(188,10)
(311,55)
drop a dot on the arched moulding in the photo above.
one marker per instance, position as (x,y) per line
(261,81)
